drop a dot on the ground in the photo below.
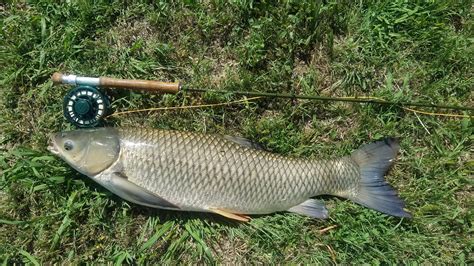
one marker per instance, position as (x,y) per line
(396,50)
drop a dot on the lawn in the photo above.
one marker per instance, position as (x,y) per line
(395,50)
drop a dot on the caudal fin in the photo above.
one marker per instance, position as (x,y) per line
(374,192)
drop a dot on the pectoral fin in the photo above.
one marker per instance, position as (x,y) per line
(312,208)
(234,216)
(132,192)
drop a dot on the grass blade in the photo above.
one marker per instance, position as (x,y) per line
(30,257)
(164,228)
(2,221)
(201,242)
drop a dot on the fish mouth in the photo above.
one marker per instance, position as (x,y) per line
(52,145)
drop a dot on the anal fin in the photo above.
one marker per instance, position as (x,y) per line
(312,208)
(234,216)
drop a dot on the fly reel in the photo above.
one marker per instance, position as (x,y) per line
(86,106)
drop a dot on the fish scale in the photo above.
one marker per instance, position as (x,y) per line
(214,172)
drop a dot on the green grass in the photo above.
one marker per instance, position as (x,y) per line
(403,50)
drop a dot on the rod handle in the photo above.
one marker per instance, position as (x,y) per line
(131,84)
(138,84)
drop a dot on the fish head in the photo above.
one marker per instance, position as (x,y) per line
(89,151)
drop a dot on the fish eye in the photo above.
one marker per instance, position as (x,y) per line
(68,145)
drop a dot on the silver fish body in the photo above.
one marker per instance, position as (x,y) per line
(212,173)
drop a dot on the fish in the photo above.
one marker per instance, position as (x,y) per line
(229,176)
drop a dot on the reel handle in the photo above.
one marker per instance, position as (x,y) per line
(134,84)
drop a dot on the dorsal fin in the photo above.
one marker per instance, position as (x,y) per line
(244,142)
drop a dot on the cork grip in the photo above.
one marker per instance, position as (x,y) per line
(133,84)
(148,85)
(57,78)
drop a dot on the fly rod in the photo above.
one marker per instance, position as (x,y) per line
(85,105)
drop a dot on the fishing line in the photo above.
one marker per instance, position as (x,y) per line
(181,107)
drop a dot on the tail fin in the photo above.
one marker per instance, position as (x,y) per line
(374,192)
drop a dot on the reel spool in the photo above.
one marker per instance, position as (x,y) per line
(85,106)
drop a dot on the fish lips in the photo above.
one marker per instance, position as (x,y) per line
(52,147)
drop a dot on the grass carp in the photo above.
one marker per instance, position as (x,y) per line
(230,176)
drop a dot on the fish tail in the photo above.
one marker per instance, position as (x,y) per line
(373,191)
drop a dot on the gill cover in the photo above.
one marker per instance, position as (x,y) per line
(89,151)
